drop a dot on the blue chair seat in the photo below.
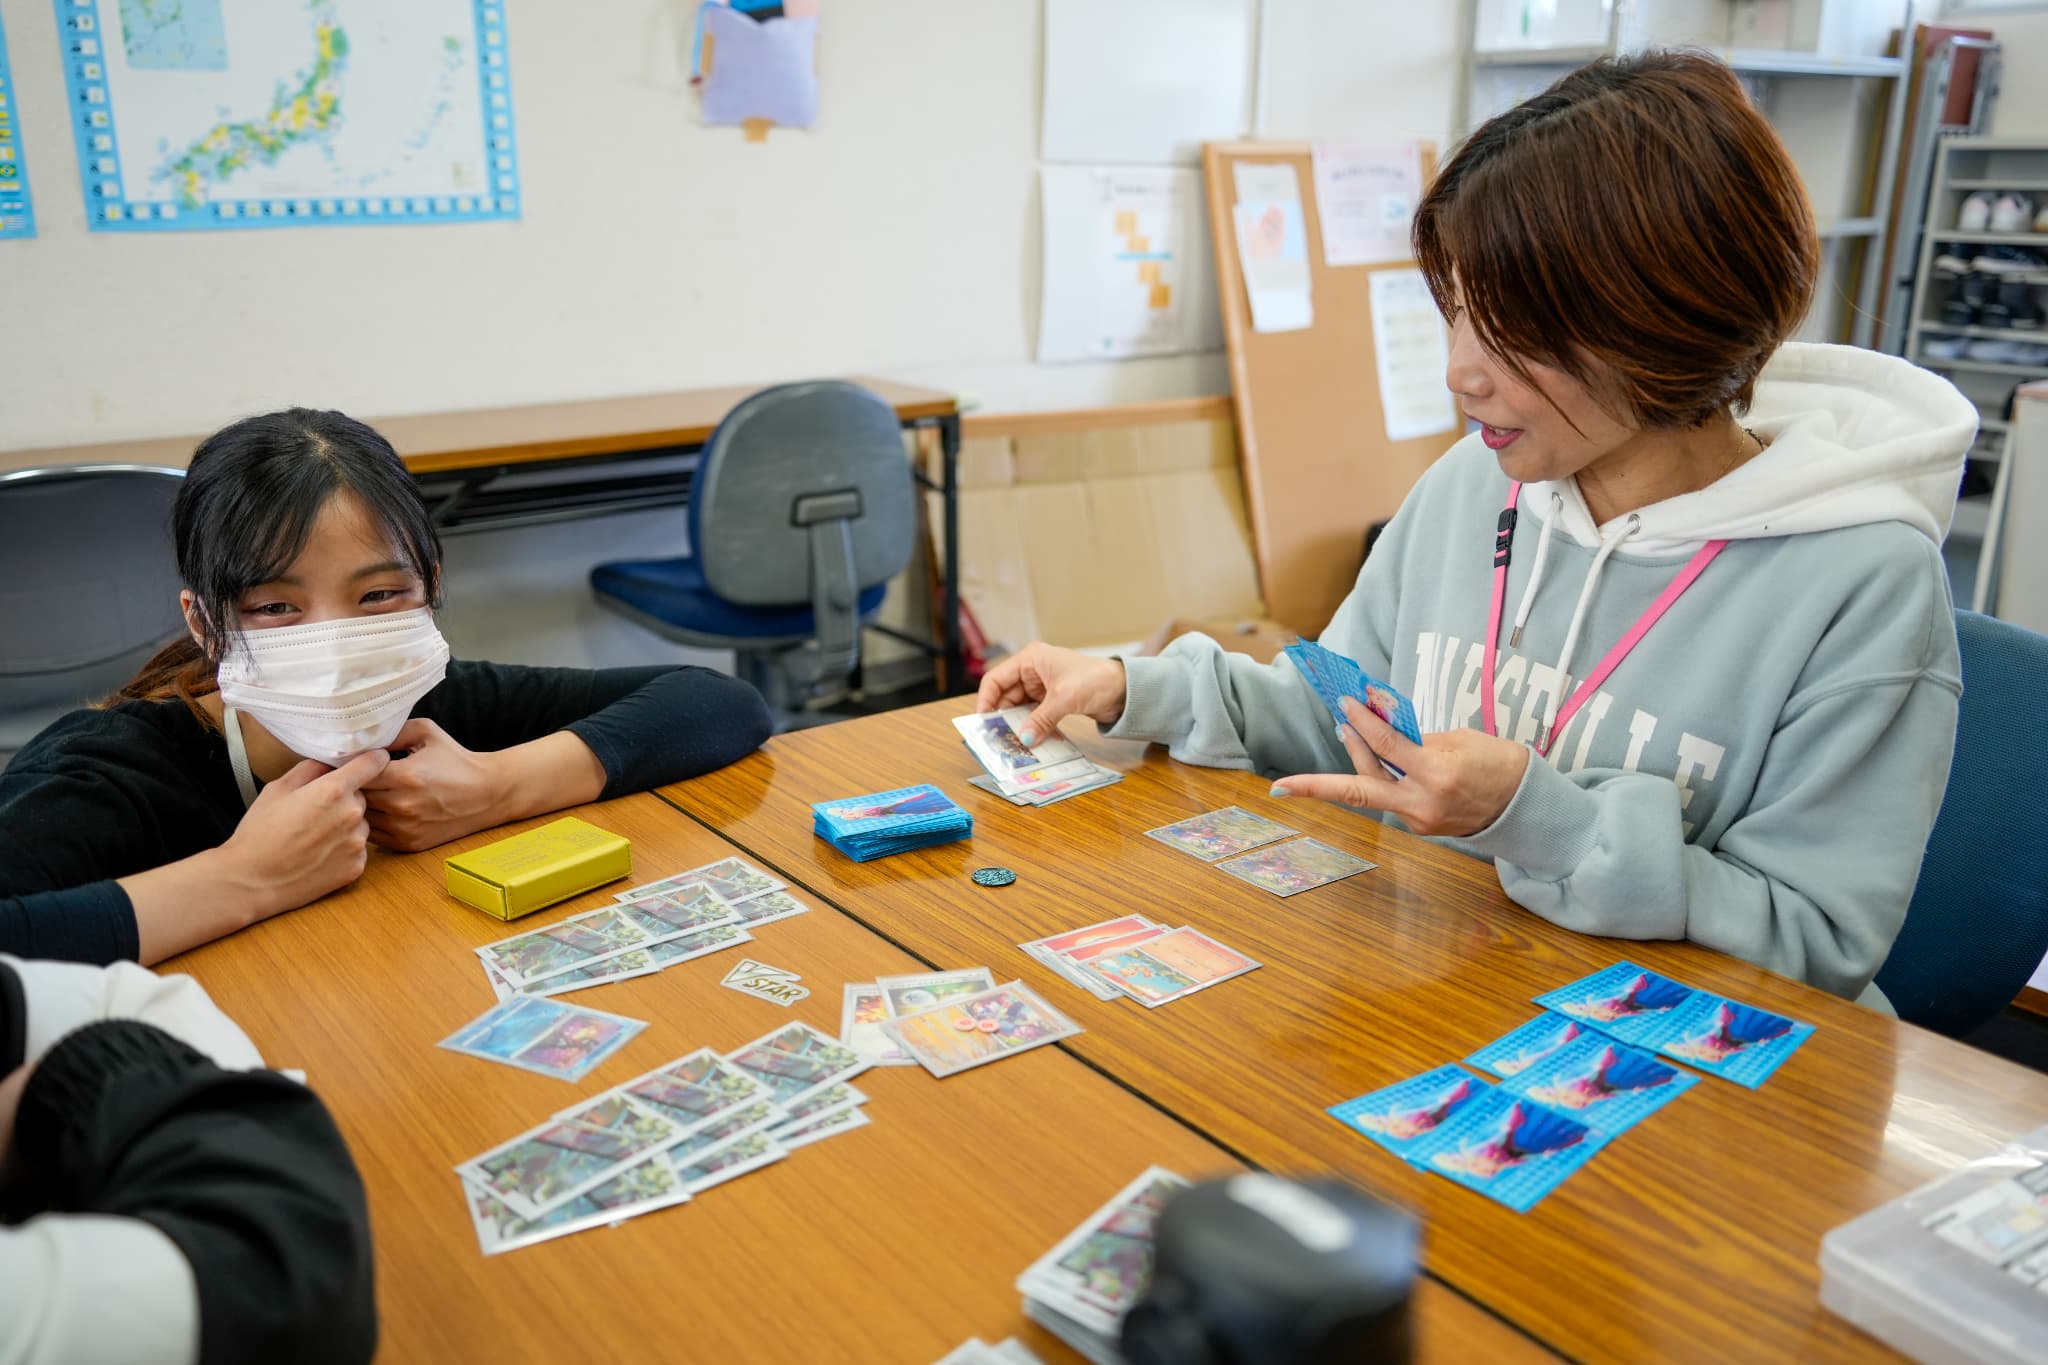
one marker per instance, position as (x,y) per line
(673,593)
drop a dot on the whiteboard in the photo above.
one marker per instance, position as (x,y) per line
(1144,82)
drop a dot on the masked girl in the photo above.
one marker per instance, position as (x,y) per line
(312,711)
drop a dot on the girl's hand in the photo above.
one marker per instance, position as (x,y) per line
(436,791)
(1458,782)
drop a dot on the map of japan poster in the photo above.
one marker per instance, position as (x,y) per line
(208,114)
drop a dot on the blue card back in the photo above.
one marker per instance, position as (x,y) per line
(1335,677)
(1624,1001)
(1736,1042)
(1607,1085)
(1513,1053)
(904,808)
(1508,1148)
(1403,1114)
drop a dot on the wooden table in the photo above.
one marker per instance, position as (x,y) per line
(1692,1237)
(533,462)
(893,1243)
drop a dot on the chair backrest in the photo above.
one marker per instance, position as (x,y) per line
(88,580)
(1978,925)
(782,462)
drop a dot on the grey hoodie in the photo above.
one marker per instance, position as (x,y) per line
(1761,772)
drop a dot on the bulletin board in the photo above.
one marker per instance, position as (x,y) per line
(1319,467)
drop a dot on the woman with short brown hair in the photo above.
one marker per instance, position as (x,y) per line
(1694,568)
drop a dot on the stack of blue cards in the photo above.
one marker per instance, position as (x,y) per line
(1722,1037)
(1335,677)
(869,827)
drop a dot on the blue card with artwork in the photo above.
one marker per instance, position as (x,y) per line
(1607,1085)
(1624,1001)
(1513,1053)
(1736,1042)
(881,823)
(1335,677)
(1508,1148)
(1403,1114)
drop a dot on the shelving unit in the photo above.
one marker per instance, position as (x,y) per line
(1823,103)
(1965,165)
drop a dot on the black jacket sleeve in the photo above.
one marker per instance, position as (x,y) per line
(647,726)
(92,923)
(243,1171)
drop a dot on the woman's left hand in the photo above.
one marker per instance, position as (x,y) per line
(438,791)
(1458,782)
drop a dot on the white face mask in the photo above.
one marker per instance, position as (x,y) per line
(333,689)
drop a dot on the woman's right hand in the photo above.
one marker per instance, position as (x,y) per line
(1062,683)
(306,834)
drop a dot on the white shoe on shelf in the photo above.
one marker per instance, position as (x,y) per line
(2012,213)
(1974,214)
(1943,348)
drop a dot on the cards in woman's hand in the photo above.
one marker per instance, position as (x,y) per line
(979,1028)
(1334,677)
(547,1036)
(1290,869)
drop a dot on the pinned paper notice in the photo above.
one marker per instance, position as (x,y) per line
(1412,351)
(1272,246)
(1265,180)
(1366,194)
(1127,264)
(759,69)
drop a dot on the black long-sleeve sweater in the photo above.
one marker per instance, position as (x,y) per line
(103,794)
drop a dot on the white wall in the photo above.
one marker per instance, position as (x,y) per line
(897,239)
(2022,107)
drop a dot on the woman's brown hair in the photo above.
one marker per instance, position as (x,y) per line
(1637,226)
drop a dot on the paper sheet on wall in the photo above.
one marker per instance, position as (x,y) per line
(1144,82)
(1366,194)
(1411,350)
(759,69)
(1128,264)
(1272,247)
(17,213)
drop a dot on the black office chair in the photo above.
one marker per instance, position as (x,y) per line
(88,587)
(801,513)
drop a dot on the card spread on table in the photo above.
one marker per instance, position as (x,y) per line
(1724,1038)
(1508,1148)
(1220,833)
(550,1164)
(816,1106)
(575,942)
(1624,1001)
(861,1012)
(1513,1053)
(975,1029)
(755,1116)
(728,1161)
(839,1121)
(547,1036)
(643,1188)
(732,880)
(1170,966)
(796,1060)
(915,991)
(1097,1271)
(1608,1085)
(768,907)
(1334,677)
(1398,1117)
(685,909)
(1290,869)
(1052,792)
(694,1091)
(1109,934)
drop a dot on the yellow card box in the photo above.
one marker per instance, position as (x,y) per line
(539,868)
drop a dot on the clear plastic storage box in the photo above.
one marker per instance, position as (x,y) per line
(1956,1270)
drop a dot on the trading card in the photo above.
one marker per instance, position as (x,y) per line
(728,1161)
(684,909)
(997,743)
(860,1025)
(699,944)
(732,880)
(824,1126)
(748,967)
(916,991)
(753,1117)
(1508,1148)
(1169,966)
(1052,950)
(642,1188)
(774,989)
(1736,1042)
(1103,1266)
(907,806)
(575,942)
(551,1164)
(795,1061)
(1513,1053)
(624,967)
(1220,833)
(975,1029)
(767,907)
(1401,1115)
(1625,1001)
(831,1097)
(694,1090)
(547,1036)
(1334,677)
(1608,1085)
(1290,869)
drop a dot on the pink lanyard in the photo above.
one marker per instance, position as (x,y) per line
(1503,544)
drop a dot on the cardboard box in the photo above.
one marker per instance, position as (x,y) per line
(539,868)
(1089,529)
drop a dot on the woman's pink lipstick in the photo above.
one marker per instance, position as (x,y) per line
(1498,438)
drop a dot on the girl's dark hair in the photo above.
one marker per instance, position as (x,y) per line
(244,512)
(1638,226)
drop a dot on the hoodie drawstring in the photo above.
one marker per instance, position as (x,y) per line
(1536,575)
(1556,718)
